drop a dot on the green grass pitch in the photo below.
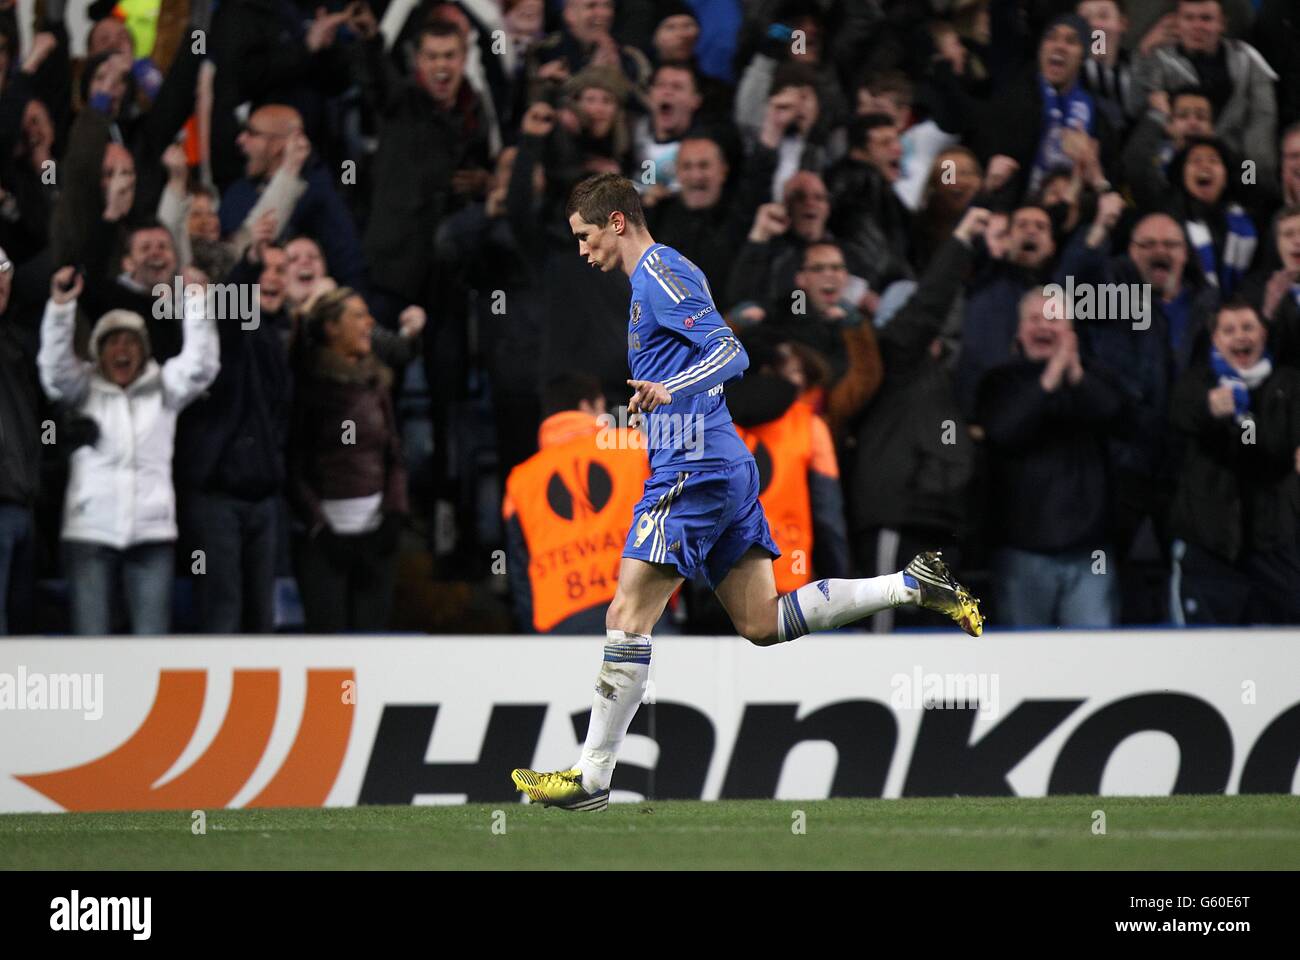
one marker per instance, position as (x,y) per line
(1186,832)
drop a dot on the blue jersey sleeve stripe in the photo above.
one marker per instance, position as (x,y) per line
(667,289)
(671,278)
(706,363)
(724,353)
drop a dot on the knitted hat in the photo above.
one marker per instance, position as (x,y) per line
(674,8)
(1075,23)
(609,79)
(114,321)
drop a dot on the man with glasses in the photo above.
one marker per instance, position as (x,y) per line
(774,250)
(1143,359)
(823,315)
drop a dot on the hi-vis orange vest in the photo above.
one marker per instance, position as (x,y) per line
(574,501)
(783,450)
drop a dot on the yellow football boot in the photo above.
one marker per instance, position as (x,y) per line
(562,789)
(941,592)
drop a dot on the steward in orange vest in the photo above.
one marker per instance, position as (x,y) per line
(798,474)
(567,511)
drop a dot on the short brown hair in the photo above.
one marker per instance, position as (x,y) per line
(1286,213)
(438,29)
(1234,304)
(599,196)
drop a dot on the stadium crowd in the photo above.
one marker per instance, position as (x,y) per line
(291,314)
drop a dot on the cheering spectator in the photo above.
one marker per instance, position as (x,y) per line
(1037,109)
(790,125)
(119,525)
(951,187)
(1237,80)
(1237,560)
(272,52)
(585,40)
(914,458)
(319,212)
(823,315)
(1144,351)
(704,220)
(675,40)
(1045,417)
(866,209)
(1159,135)
(230,457)
(27,155)
(19,463)
(593,136)
(674,101)
(432,159)
(994,297)
(145,286)
(588,333)
(1280,308)
(192,214)
(793,53)
(1222,233)
(774,248)
(347,478)
(1108,73)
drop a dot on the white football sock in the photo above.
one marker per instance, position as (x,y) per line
(828,604)
(619,689)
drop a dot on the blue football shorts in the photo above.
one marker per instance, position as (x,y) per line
(700,521)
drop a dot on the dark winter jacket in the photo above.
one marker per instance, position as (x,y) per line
(328,392)
(420,147)
(1144,367)
(20,403)
(231,440)
(1048,489)
(914,458)
(584,312)
(259,49)
(868,212)
(711,237)
(1235,497)
(320,213)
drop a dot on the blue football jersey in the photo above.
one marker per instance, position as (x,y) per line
(672,324)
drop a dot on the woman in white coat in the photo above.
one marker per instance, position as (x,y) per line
(119,514)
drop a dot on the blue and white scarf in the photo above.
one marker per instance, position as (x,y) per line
(1238,249)
(1072,110)
(1241,381)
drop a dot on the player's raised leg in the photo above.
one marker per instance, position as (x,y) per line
(748,593)
(643,592)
